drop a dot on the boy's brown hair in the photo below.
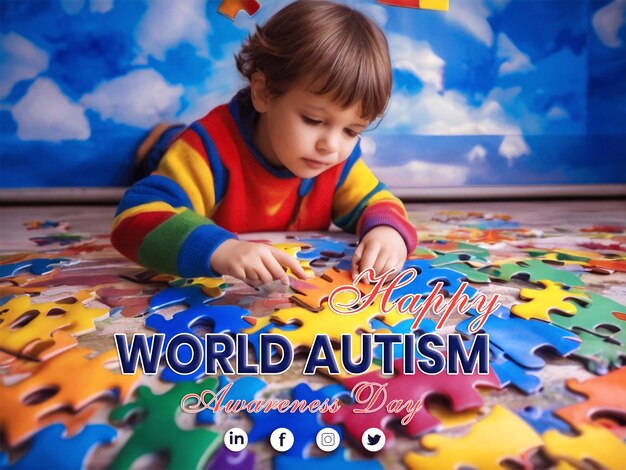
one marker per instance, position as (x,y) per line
(325,47)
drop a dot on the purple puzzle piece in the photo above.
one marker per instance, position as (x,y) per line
(225,458)
(50,449)
(336,460)
(520,339)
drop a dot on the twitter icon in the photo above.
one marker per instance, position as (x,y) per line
(373,439)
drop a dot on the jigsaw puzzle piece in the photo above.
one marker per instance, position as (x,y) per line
(189,296)
(509,438)
(534,271)
(606,400)
(62,239)
(133,302)
(469,273)
(403,328)
(338,459)
(157,431)
(313,292)
(418,387)
(27,325)
(599,353)
(88,380)
(52,446)
(292,249)
(553,297)
(304,426)
(245,389)
(521,339)
(230,8)
(218,319)
(326,248)
(36,266)
(595,445)
(511,373)
(543,420)
(601,316)
(224,458)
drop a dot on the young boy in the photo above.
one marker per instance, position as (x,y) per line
(282,155)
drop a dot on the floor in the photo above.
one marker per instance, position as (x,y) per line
(582,240)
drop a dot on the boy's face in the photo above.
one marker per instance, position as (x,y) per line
(307,133)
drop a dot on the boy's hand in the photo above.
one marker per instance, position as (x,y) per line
(254,263)
(382,248)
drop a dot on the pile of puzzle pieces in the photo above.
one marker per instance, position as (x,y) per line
(64,402)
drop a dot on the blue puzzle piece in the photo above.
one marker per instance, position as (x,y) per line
(254,339)
(336,460)
(304,426)
(511,373)
(245,388)
(543,420)
(326,245)
(36,266)
(189,296)
(50,449)
(403,328)
(426,279)
(219,318)
(520,339)
(225,458)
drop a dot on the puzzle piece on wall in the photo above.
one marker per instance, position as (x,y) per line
(230,8)
(459,389)
(24,324)
(52,448)
(594,445)
(157,431)
(606,399)
(88,381)
(552,297)
(509,438)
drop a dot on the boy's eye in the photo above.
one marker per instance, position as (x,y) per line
(312,122)
(351,133)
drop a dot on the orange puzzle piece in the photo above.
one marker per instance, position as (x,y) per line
(77,381)
(230,8)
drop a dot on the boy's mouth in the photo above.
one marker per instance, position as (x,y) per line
(314,164)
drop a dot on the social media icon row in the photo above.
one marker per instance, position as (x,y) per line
(236,439)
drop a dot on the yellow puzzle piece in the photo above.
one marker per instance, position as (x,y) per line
(595,444)
(499,436)
(22,323)
(552,298)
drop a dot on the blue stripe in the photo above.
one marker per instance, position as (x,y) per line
(220,176)
(305,186)
(349,221)
(154,188)
(352,159)
(195,253)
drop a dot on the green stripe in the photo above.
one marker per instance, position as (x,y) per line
(159,250)
(350,220)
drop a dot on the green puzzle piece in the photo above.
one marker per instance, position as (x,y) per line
(600,353)
(595,317)
(158,432)
(473,275)
(535,269)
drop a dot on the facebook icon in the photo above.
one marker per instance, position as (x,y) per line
(281,439)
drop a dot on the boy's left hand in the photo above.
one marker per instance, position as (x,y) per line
(382,248)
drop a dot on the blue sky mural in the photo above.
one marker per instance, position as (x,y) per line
(492,92)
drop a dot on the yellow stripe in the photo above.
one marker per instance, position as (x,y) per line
(188,168)
(157,206)
(358,184)
(434,4)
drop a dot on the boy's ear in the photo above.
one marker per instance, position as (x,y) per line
(260,93)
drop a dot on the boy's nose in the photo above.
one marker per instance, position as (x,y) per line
(328,143)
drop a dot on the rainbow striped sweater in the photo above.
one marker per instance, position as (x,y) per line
(213,183)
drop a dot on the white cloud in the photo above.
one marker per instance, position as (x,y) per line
(20,60)
(73,7)
(608,21)
(472,17)
(557,112)
(512,147)
(418,173)
(477,154)
(368,146)
(417,58)
(142,98)
(432,113)
(166,24)
(516,61)
(45,113)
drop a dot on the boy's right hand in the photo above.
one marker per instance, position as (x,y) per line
(254,263)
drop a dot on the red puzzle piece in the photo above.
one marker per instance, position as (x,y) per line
(230,8)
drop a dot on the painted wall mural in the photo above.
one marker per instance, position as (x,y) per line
(491,92)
